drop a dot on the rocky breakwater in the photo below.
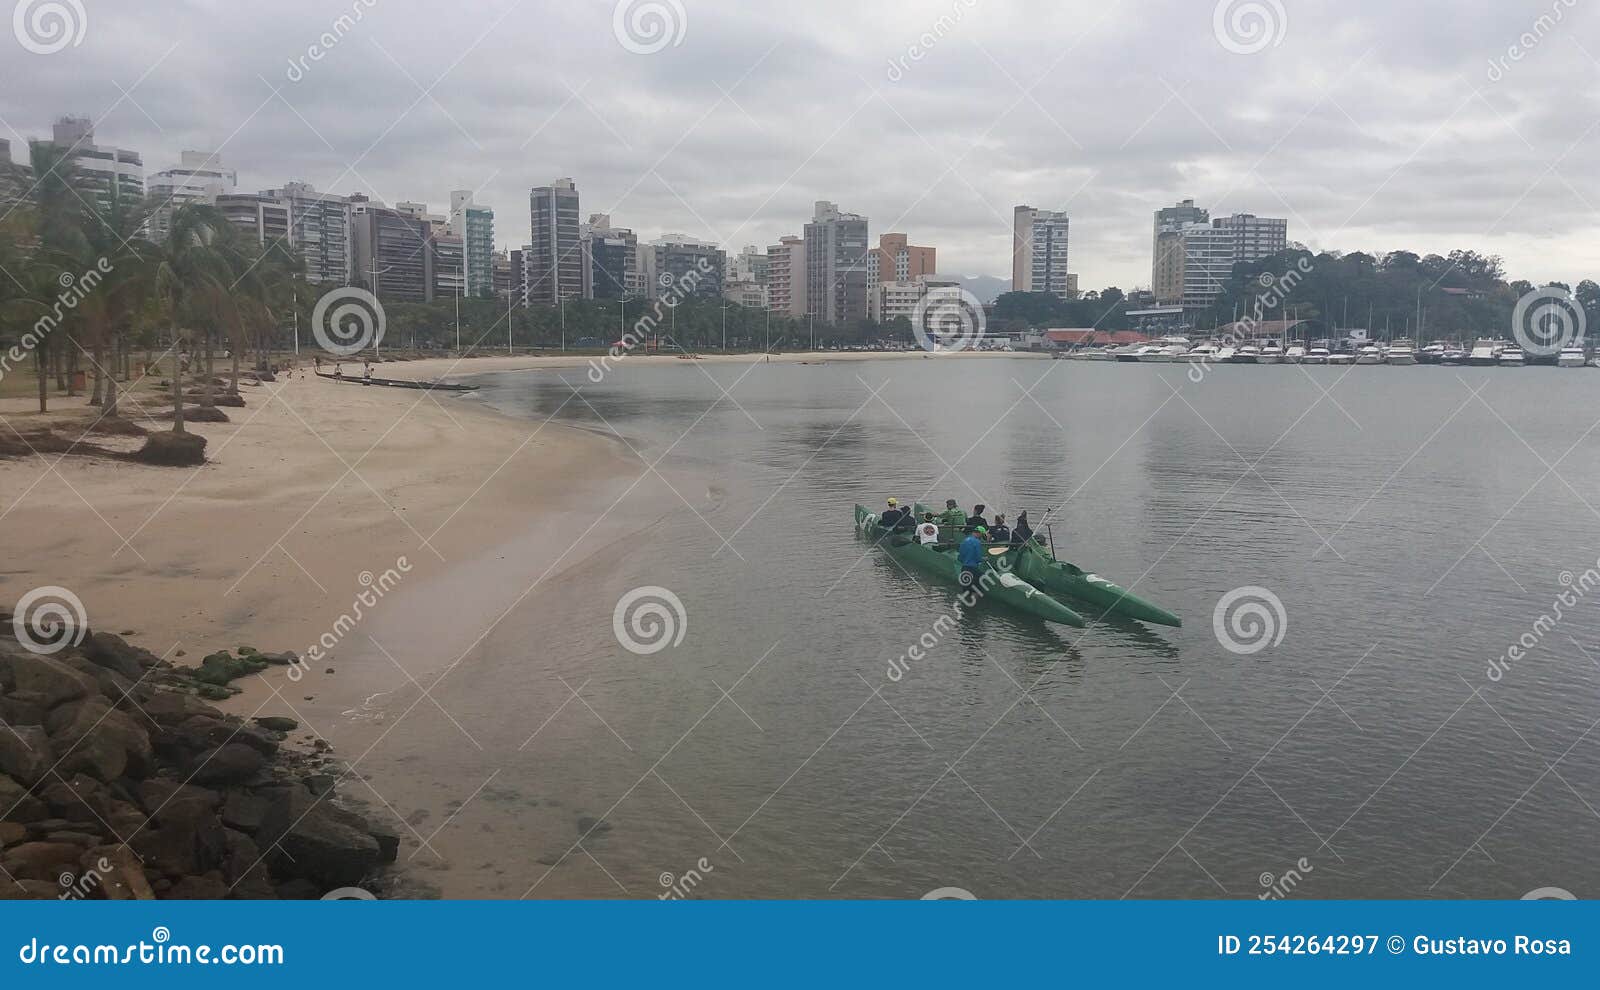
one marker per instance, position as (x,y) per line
(118,781)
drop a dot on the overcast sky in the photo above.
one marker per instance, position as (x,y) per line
(1370,124)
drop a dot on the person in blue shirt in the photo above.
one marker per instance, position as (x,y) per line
(970,554)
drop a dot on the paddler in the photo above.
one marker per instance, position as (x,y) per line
(970,554)
(953,516)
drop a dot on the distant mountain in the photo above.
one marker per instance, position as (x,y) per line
(986,287)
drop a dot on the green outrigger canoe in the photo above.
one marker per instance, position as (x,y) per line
(1006,587)
(1034,563)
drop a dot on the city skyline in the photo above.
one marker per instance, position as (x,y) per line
(1458,154)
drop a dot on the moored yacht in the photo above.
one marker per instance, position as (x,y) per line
(1129,352)
(1510,357)
(1401,352)
(1369,354)
(1295,354)
(1432,354)
(1204,354)
(1341,357)
(1485,353)
(1453,354)
(1317,355)
(1248,354)
(1571,356)
(1271,353)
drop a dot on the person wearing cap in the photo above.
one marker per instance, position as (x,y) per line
(970,554)
(894,516)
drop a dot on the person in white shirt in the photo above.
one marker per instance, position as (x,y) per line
(927,530)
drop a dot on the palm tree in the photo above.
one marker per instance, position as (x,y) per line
(190,278)
(114,246)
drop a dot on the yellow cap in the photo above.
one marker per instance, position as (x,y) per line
(894,501)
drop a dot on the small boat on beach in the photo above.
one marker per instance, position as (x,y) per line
(430,386)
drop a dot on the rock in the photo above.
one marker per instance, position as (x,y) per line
(283,659)
(201,732)
(277,723)
(168,800)
(29,890)
(388,841)
(112,652)
(244,811)
(75,838)
(24,806)
(125,819)
(125,880)
(227,764)
(320,783)
(12,833)
(170,449)
(326,846)
(52,681)
(208,886)
(80,800)
(22,708)
(229,399)
(173,707)
(100,740)
(25,753)
(245,869)
(41,860)
(221,667)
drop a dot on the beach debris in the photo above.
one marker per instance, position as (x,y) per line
(170,449)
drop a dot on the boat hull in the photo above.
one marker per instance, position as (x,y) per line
(1036,565)
(1004,586)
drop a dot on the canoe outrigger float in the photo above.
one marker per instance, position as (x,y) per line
(1036,564)
(1005,587)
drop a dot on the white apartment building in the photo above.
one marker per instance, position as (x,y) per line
(1040,241)
(891,300)
(110,172)
(199,177)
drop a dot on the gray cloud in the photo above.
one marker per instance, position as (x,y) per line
(1370,125)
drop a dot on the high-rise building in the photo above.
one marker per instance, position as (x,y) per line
(199,177)
(750,265)
(676,256)
(899,297)
(16,180)
(786,277)
(555,258)
(836,265)
(437,223)
(474,224)
(109,172)
(519,275)
(449,266)
(893,260)
(1194,255)
(610,255)
(1039,252)
(746,292)
(258,216)
(319,228)
(393,256)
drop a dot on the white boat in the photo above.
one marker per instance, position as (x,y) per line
(1571,356)
(1369,354)
(1342,357)
(1150,352)
(1433,353)
(1453,355)
(1271,353)
(1318,355)
(1510,357)
(1296,354)
(1485,353)
(1401,352)
(1130,352)
(1225,354)
(1204,354)
(1248,354)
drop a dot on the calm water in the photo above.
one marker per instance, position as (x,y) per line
(1411,529)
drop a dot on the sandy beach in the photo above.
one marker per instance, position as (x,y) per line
(310,488)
